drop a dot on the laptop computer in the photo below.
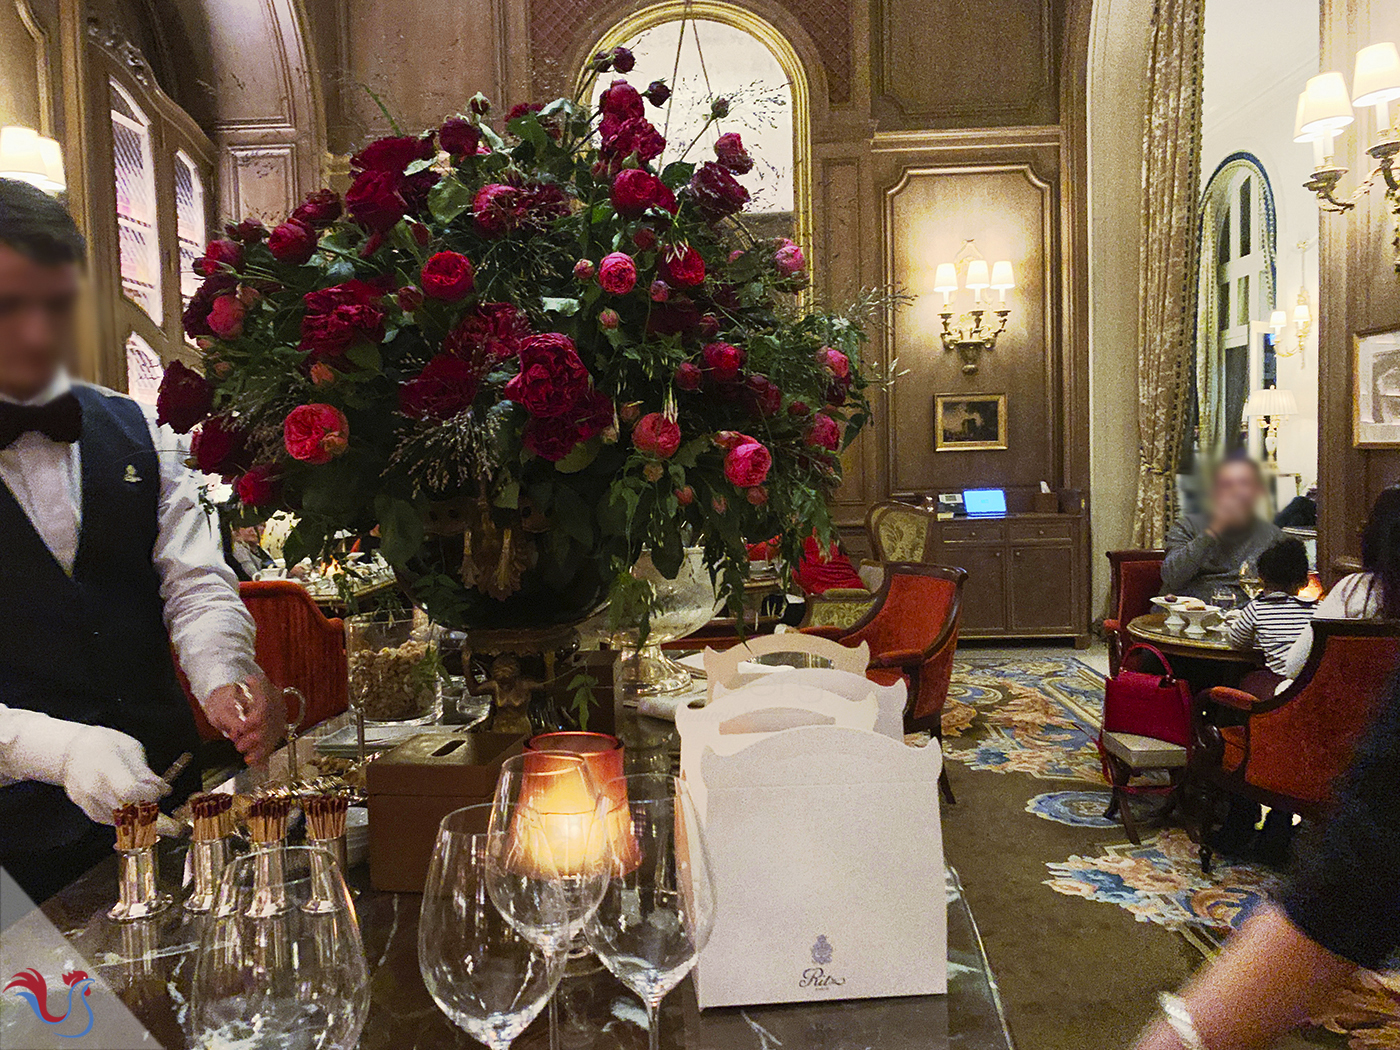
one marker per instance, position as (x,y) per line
(985,503)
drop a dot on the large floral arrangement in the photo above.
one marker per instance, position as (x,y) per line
(524,356)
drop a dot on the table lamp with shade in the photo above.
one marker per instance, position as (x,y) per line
(27,156)
(1271,405)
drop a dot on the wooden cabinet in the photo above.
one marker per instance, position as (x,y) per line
(984,593)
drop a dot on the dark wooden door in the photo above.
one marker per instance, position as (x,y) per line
(1042,589)
(984,593)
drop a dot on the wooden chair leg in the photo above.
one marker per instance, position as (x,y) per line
(1119,775)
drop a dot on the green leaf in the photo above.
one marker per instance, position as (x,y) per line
(448,199)
(421,164)
(677,173)
(366,356)
(580,456)
(400,529)
(557,305)
(508,496)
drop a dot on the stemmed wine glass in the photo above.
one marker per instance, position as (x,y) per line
(480,970)
(281,962)
(659,907)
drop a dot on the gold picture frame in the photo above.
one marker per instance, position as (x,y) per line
(1375,394)
(961,423)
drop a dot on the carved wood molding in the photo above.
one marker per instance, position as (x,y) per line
(43,78)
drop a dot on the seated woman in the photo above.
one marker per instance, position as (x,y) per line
(1372,593)
(1275,619)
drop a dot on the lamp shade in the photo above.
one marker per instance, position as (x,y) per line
(1377,76)
(1271,402)
(1299,135)
(977,275)
(1326,104)
(1001,276)
(1301,314)
(1278,319)
(945,278)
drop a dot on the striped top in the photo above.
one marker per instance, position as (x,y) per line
(1272,622)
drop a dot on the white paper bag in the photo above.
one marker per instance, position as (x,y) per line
(891,698)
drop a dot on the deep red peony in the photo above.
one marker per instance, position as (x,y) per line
(393,154)
(219,447)
(492,332)
(320,209)
(716,192)
(655,435)
(552,378)
(682,267)
(446,386)
(220,255)
(315,433)
(338,316)
(747,464)
(375,200)
(622,139)
(688,376)
(459,137)
(496,209)
(293,242)
(729,148)
(554,438)
(184,399)
(723,360)
(621,101)
(824,432)
(448,276)
(635,190)
(258,487)
(247,231)
(226,315)
(617,273)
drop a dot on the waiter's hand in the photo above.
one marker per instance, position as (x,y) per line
(104,769)
(255,720)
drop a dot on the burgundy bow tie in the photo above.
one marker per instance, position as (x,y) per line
(61,419)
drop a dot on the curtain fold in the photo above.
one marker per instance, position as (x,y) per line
(1170,183)
(1210,359)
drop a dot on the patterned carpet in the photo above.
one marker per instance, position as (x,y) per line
(1040,717)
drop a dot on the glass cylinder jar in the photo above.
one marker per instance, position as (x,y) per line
(395,668)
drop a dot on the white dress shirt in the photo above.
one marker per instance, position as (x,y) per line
(209,626)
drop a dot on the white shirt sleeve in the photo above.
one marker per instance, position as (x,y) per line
(1351,599)
(209,625)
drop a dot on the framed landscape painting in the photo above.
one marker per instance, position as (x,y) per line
(1376,397)
(969,422)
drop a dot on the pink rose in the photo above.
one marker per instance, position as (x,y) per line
(723,360)
(747,465)
(834,361)
(226,317)
(315,433)
(617,273)
(824,432)
(789,258)
(655,435)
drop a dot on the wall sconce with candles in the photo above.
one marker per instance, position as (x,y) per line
(33,158)
(1325,108)
(969,340)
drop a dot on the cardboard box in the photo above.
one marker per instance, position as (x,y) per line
(412,787)
(827,851)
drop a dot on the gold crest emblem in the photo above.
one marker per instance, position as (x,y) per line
(131,477)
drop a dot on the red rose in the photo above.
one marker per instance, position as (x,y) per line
(336,317)
(495,209)
(552,378)
(319,210)
(762,396)
(824,432)
(621,101)
(789,258)
(375,200)
(623,60)
(393,154)
(195,319)
(492,332)
(226,317)
(553,439)
(446,386)
(220,255)
(799,409)
(540,202)
(617,273)
(729,148)
(247,231)
(184,399)
(258,487)
(723,360)
(622,139)
(409,298)
(834,361)
(459,137)
(448,276)
(635,190)
(660,291)
(315,433)
(716,192)
(657,93)
(293,242)
(757,495)
(688,376)
(655,435)
(218,446)
(682,267)
(747,465)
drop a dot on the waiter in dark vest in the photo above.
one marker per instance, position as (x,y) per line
(106,560)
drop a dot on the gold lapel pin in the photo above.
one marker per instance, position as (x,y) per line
(131,477)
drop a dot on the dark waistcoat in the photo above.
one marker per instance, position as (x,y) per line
(91,647)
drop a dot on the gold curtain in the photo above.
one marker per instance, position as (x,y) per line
(1170,182)
(1210,361)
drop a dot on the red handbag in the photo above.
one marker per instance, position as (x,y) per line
(1154,704)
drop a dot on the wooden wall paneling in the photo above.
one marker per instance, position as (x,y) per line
(258,180)
(947,63)
(26,93)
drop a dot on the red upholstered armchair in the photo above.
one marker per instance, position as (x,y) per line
(1136,580)
(1293,745)
(297,646)
(912,631)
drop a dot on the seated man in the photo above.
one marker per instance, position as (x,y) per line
(1208,551)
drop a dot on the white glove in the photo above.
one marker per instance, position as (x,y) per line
(99,768)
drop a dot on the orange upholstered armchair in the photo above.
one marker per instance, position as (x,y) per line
(297,646)
(1293,745)
(912,630)
(1136,579)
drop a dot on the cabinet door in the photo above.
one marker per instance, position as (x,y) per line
(1042,589)
(984,593)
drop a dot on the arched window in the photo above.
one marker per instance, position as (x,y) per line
(705,51)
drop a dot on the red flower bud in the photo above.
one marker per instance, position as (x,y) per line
(608,318)
(655,435)
(660,291)
(685,496)
(757,495)
(584,270)
(688,376)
